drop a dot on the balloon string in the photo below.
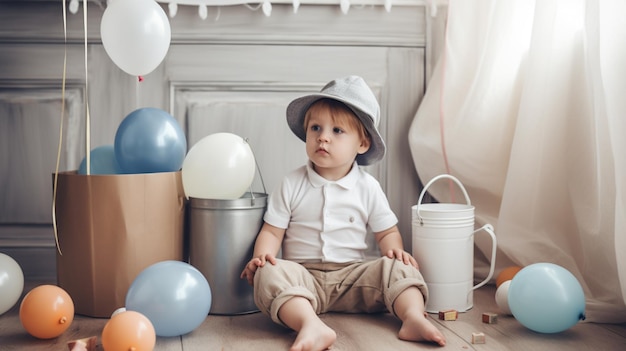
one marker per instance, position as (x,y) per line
(139,80)
(442,113)
(87,117)
(56,170)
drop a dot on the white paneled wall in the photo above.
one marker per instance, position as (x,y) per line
(236,73)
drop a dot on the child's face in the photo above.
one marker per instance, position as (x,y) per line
(331,145)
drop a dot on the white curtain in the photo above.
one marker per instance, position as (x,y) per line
(527,107)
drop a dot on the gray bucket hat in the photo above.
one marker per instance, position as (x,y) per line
(356,94)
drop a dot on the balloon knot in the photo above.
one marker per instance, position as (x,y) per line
(63,320)
(140,78)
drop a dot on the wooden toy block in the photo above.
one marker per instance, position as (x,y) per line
(448,315)
(490,318)
(86,344)
(478,338)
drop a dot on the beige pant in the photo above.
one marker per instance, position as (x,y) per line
(370,286)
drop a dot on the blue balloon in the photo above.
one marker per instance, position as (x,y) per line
(546,298)
(173,295)
(150,140)
(102,161)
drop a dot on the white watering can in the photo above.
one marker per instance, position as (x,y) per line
(443,244)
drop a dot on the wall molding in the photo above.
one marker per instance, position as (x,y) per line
(372,26)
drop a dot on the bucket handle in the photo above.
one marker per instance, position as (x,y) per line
(252,198)
(419,201)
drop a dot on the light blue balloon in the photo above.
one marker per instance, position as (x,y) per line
(546,298)
(173,295)
(102,161)
(150,140)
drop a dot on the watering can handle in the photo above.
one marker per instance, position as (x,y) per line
(419,201)
(492,264)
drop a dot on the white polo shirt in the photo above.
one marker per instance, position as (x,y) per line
(327,221)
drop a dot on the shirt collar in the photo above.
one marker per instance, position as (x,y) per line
(346,182)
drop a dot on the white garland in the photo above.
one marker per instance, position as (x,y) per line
(266,5)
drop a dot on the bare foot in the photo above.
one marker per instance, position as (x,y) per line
(416,327)
(315,336)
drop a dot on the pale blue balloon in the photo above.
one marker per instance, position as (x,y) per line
(102,161)
(546,298)
(173,295)
(150,140)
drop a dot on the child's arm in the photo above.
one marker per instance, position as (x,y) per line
(390,244)
(266,248)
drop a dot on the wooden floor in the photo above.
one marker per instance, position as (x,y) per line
(355,332)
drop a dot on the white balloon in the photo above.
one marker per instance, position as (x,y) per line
(136,35)
(219,166)
(11,282)
(502,297)
(118,311)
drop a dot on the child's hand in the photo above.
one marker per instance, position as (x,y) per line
(256,262)
(402,256)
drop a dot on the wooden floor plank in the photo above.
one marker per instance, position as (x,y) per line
(365,332)
(244,332)
(509,334)
(355,332)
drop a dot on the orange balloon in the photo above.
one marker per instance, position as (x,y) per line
(46,311)
(128,330)
(507,274)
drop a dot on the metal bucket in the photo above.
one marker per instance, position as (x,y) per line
(221,241)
